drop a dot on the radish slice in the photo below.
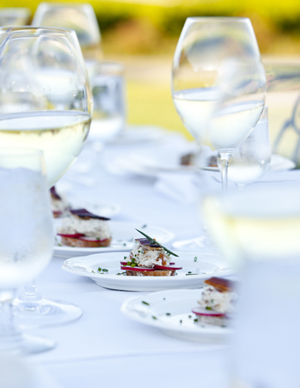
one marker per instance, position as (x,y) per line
(137,269)
(123,262)
(208,313)
(166,267)
(75,235)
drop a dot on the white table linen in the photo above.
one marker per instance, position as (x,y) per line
(104,348)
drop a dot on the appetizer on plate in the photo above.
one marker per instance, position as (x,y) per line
(83,229)
(149,258)
(217,302)
(59,205)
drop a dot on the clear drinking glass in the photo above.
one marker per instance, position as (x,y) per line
(252,158)
(108,88)
(45,103)
(80,18)
(15,16)
(199,77)
(258,230)
(26,238)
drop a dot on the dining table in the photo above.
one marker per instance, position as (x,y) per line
(104,347)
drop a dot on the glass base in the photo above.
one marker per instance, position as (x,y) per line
(19,344)
(44,312)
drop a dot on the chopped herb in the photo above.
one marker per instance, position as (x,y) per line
(99,269)
(168,313)
(97,238)
(121,273)
(105,270)
(208,308)
(196,320)
(195,259)
(154,317)
(188,274)
(60,245)
(124,244)
(144,226)
(148,304)
(164,298)
(93,271)
(152,241)
(190,316)
(180,321)
(125,257)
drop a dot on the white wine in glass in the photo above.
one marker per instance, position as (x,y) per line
(258,230)
(45,103)
(218,109)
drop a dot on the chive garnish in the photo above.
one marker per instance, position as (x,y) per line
(168,313)
(195,259)
(153,317)
(148,304)
(208,308)
(152,241)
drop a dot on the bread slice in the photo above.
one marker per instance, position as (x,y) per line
(158,272)
(76,242)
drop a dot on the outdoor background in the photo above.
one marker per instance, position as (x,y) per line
(143,36)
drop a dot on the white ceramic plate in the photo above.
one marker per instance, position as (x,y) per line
(123,235)
(171,312)
(207,265)
(103,208)
(139,133)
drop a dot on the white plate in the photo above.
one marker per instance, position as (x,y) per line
(179,304)
(139,134)
(278,163)
(103,208)
(123,235)
(206,266)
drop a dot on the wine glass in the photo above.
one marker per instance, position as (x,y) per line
(258,230)
(26,238)
(80,18)
(251,160)
(45,103)
(199,76)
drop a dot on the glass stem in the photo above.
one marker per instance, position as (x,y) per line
(30,293)
(10,337)
(224,158)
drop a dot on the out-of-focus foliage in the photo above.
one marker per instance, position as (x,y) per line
(143,28)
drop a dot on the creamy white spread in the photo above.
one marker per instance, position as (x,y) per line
(90,228)
(146,256)
(222,302)
(58,205)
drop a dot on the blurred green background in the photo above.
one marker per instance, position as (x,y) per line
(144,36)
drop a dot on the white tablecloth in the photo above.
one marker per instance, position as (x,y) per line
(105,348)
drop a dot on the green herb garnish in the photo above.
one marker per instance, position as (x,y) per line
(195,259)
(148,304)
(152,241)
(208,308)
(154,317)
(168,313)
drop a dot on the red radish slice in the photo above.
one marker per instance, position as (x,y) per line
(123,262)
(75,235)
(166,267)
(208,313)
(137,269)
(172,263)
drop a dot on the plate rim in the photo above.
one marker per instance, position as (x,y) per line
(208,330)
(137,279)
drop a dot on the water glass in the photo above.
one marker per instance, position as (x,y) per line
(14,16)
(108,88)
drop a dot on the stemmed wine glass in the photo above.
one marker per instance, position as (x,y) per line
(251,160)
(219,104)
(26,238)
(45,103)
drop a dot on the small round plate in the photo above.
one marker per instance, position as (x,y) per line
(171,312)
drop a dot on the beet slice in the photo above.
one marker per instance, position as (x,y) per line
(75,235)
(54,193)
(83,213)
(208,313)
(137,269)
(166,267)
